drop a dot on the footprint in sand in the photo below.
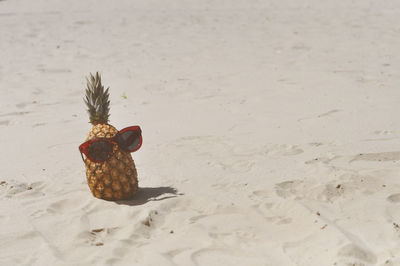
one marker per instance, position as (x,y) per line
(279,220)
(395,198)
(323,159)
(355,254)
(97,237)
(287,189)
(12,189)
(151,218)
(22,104)
(377,157)
(37,213)
(171,254)
(4,123)
(236,166)
(38,124)
(390,262)
(37,91)
(383,132)
(262,193)
(65,205)
(330,191)
(316,144)
(285,150)
(219,256)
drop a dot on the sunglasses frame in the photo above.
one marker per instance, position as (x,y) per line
(84,147)
(138,130)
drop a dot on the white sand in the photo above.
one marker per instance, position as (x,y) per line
(271,131)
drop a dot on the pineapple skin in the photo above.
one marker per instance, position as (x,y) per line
(116,178)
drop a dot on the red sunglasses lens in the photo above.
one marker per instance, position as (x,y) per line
(100,151)
(129,140)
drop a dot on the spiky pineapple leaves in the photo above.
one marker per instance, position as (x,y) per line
(96,100)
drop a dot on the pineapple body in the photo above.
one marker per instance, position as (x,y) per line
(116,178)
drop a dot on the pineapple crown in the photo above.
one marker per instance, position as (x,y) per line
(96,100)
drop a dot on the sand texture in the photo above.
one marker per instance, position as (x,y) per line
(271,132)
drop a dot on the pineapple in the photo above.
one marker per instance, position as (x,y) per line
(116,178)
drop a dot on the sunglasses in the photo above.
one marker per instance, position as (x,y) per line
(99,150)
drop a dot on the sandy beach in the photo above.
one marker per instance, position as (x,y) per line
(271,133)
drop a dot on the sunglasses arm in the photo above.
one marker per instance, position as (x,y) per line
(83,159)
(82,149)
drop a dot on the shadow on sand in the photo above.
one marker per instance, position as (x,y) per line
(146,194)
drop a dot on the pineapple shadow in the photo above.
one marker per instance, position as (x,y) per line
(146,194)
